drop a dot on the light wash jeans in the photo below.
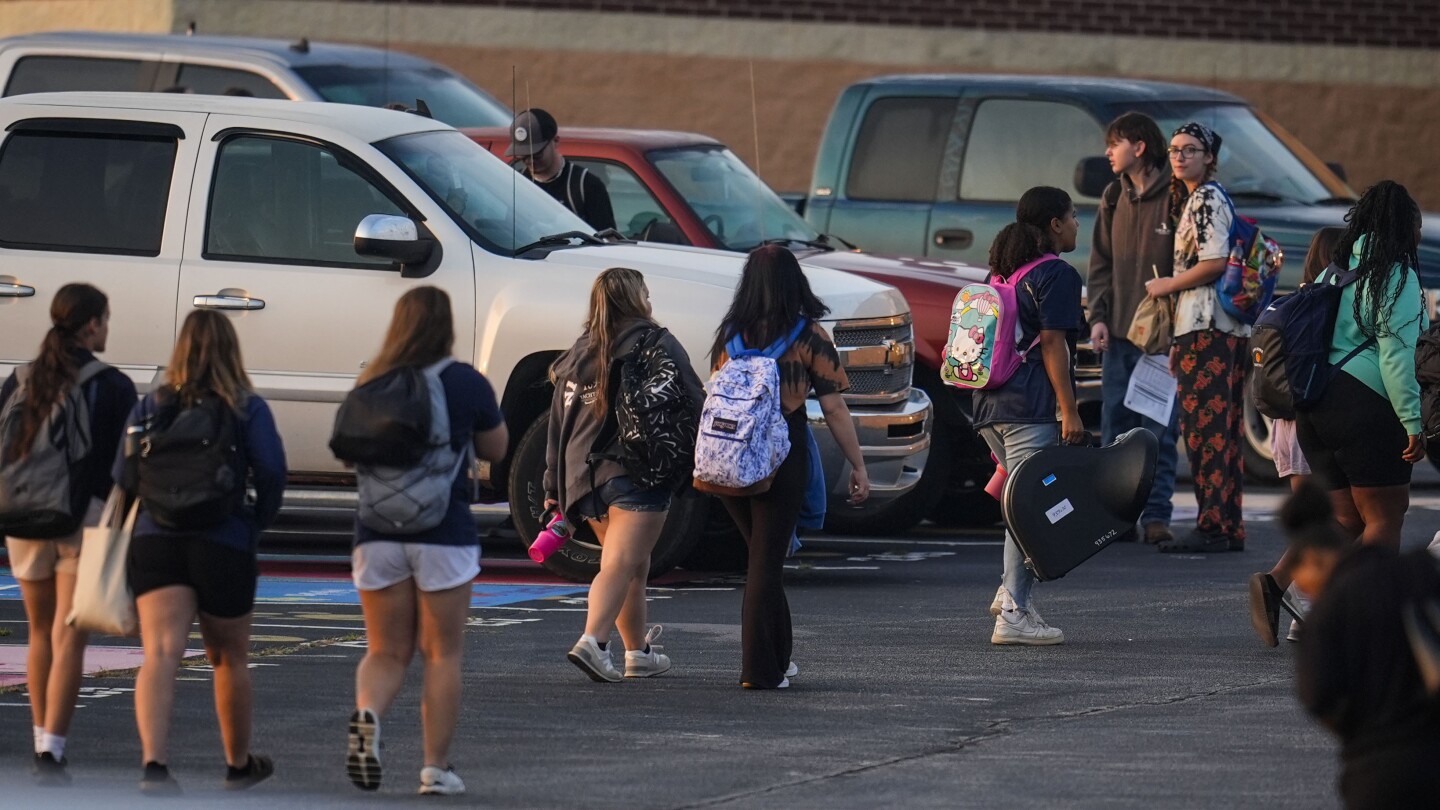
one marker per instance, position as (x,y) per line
(1012,443)
(1116,366)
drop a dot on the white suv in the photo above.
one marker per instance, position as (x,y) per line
(306,221)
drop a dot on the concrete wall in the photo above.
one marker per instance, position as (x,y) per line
(1373,108)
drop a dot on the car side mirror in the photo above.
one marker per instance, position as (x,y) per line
(1339,170)
(1092,175)
(398,239)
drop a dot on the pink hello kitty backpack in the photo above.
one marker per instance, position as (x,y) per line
(983,350)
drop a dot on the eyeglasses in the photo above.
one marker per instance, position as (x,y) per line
(1189,152)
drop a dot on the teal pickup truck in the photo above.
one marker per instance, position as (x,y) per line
(932,165)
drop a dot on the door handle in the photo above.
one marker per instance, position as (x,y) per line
(228,302)
(954,239)
(14,289)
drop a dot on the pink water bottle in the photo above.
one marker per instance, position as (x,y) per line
(550,539)
(996,485)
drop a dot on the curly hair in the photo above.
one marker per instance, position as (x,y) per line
(1388,220)
(1028,237)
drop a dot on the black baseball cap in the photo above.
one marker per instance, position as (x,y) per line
(530,132)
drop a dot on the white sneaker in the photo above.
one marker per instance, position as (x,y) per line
(998,603)
(1301,602)
(362,760)
(791,671)
(593,661)
(647,665)
(1024,627)
(440,781)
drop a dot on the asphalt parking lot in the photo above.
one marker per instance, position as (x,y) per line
(1160,697)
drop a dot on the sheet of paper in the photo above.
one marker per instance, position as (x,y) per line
(1151,392)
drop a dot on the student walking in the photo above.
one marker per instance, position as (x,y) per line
(1268,589)
(1363,437)
(586,481)
(774,298)
(63,379)
(195,442)
(1208,357)
(1018,419)
(415,584)
(1133,243)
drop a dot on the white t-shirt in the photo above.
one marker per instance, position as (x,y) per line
(1203,234)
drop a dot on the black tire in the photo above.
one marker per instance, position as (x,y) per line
(579,559)
(1259,460)
(720,547)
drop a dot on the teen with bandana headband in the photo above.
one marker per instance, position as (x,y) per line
(1208,355)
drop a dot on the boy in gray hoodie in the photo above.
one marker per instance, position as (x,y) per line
(1132,243)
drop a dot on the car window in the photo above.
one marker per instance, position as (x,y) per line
(89,193)
(636,209)
(217,81)
(898,151)
(730,200)
(280,201)
(450,98)
(54,74)
(1015,145)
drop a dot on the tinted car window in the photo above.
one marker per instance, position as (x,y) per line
(1015,145)
(636,209)
(450,98)
(898,152)
(292,203)
(84,193)
(47,74)
(215,81)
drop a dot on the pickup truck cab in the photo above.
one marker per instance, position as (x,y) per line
(933,165)
(304,222)
(264,68)
(686,188)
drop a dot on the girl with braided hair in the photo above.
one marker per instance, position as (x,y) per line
(1363,438)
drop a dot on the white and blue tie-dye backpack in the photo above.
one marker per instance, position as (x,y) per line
(743,437)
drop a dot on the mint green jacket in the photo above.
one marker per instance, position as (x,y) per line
(1388,367)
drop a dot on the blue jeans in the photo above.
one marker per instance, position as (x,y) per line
(1012,443)
(1117,364)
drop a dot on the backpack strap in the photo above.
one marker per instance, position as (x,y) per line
(1111,196)
(735,347)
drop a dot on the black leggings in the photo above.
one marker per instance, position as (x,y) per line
(767,521)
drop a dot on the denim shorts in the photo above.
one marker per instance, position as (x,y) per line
(622,493)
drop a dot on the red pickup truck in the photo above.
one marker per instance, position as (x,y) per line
(683,188)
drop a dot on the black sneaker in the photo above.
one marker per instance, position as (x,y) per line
(50,772)
(1265,596)
(157,781)
(256,770)
(362,760)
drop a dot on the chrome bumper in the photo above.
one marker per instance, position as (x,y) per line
(894,441)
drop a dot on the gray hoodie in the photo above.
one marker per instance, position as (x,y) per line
(1132,235)
(574,425)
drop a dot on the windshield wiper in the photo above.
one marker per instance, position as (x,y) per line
(555,240)
(1335,201)
(1268,196)
(819,244)
(826,237)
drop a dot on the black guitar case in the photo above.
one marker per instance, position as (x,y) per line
(1065,503)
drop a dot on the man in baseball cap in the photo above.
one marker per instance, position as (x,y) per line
(534,139)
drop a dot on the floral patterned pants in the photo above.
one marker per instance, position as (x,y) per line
(1211,398)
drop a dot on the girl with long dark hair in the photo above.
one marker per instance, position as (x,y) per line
(1363,438)
(587,483)
(773,295)
(415,587)
(1019,418)
(1208,355)
(179,575)
(45,568)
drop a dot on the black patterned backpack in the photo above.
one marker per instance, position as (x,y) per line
(655,419)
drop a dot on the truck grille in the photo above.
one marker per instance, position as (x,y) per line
(878,355)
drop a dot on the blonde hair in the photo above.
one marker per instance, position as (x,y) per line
(422,332)
(207,360)
(618,295)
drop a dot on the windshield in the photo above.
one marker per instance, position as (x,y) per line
(1255,158)
(739,209)
(451,99)
(500,209)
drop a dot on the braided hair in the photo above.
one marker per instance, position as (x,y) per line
(1028,237)
(1388,219)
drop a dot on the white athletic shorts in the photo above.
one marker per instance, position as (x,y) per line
(39,560)
(381,563)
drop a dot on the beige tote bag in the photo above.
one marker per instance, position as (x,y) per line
(103,602)
(1154,325)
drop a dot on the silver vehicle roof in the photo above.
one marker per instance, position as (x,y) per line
(267,51)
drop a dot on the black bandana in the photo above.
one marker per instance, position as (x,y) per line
(1207,137)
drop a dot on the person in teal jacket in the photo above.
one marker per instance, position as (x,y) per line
(1363,438)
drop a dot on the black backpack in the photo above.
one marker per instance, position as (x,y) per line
(387,421)
(655,419)
(1290,346)
(1427,372)
(189,472)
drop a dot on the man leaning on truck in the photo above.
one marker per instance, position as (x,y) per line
(534,146)
(1133,241)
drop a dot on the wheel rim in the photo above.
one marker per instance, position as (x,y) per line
(1257,431)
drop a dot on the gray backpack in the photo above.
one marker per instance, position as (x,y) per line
(407,500)
(37,497)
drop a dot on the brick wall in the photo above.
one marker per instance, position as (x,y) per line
(1384,23)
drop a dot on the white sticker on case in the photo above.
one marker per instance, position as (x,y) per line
(1059,510)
